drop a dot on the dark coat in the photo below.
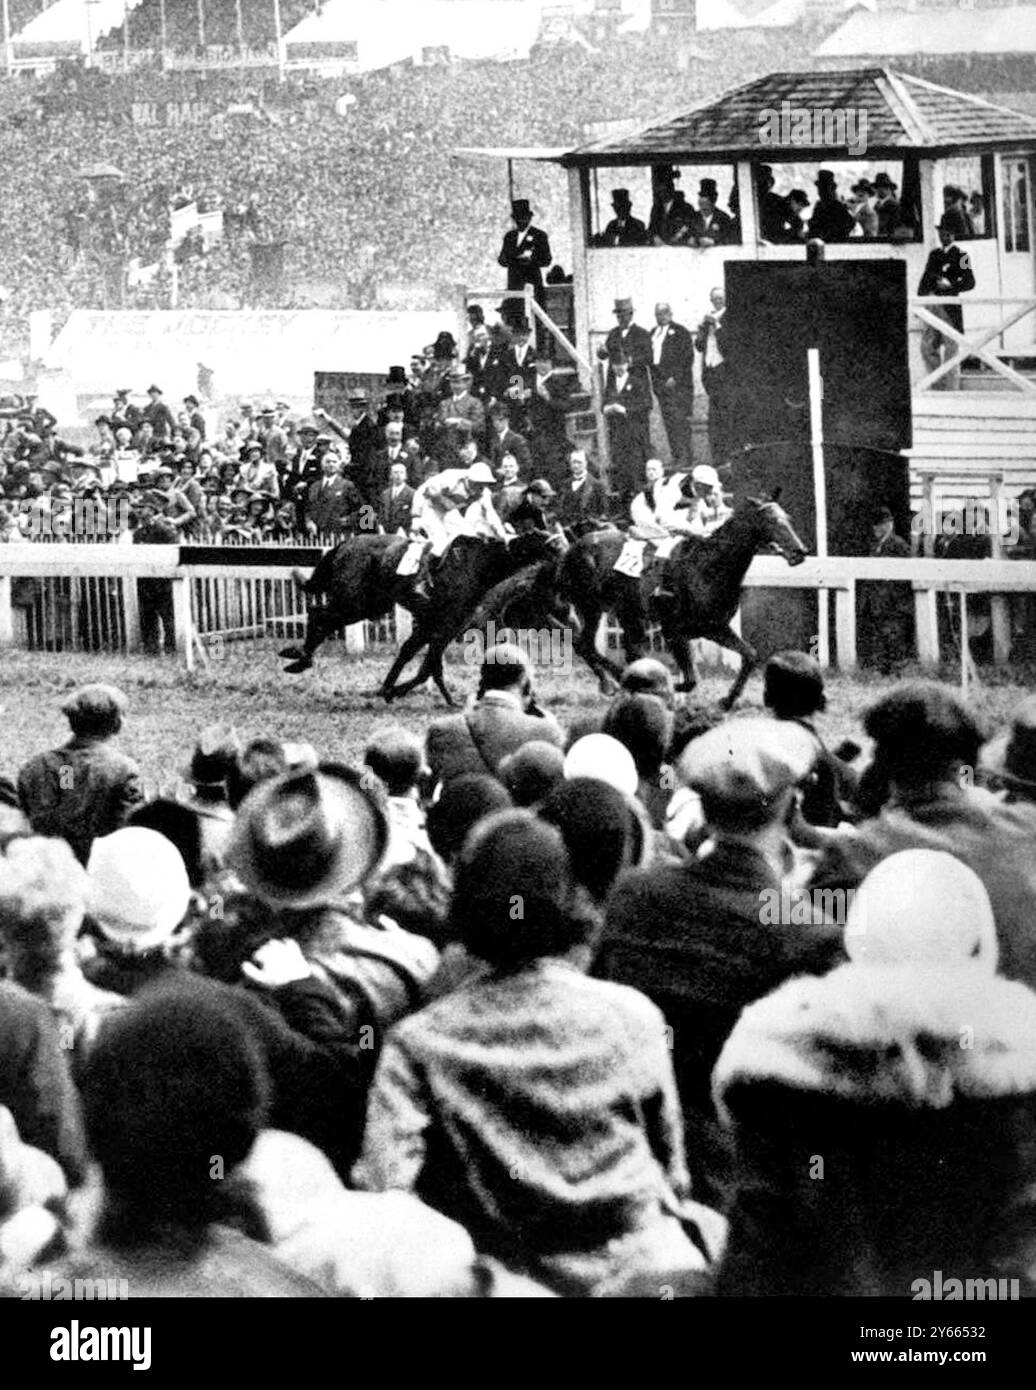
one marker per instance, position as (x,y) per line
(394,513)
(525,256)
(587,502)
(329,508)
(831,220)
(478,740)
(719,226)
(627,231)
(952,264)
(676,362)
(35,1083)
(994,839)
(511,443)
(636,344)
(689,936)
(80,792)
(488,375)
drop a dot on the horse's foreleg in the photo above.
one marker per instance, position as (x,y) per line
(439,677)
(320,623)
(585,645)
(727,637)
(682,652)
(413,644)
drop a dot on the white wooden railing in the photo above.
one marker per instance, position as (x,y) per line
(974,342)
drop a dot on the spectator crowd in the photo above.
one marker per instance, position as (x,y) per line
(519,1010)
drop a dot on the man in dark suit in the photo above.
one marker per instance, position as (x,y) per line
(395,503)
(503,718)
(334,501)
(775,222)
(672,376)
(393,453)
(885,612)
(546,414)
(504,440)
(947,272)
(624,229)
(831,219)
(627,410)
(458,418)
(158,415)
(364,442)
(712,226)
(672,219)
(582,497)
(486,365)
(525,255)
(630,339)
(714,375)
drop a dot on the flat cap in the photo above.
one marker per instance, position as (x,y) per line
(98,700)
(748,762)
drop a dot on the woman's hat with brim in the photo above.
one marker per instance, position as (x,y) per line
(1011,756)
(308,837)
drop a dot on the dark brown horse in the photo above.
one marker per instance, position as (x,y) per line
(704,577)
(359,582)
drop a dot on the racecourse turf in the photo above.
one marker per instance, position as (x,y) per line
(333,707)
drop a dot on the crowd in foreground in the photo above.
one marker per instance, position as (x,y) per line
(663,1004)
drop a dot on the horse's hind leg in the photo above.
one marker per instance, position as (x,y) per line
(727,637)
(683,654)
(320,624)
(413,644)
(585,645)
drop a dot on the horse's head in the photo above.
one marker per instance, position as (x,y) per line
(776,535)
(530,547)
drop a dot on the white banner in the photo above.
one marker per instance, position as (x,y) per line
(182,221)
(211,224)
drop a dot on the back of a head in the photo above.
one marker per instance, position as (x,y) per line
(464,801)
(397,758)
(644,725)
(923,733)
(793,685)
(601,832)
(648,676)
(43,891)
(261,759)
(532,771)
(513,892)
(745,770)
(172,1080)
(504,667)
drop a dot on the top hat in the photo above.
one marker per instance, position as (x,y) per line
(707,188)
(825,177)
(396,376)
(621,196)
(308,837)
(624,306)
(520,208)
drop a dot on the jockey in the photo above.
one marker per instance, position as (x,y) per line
(661,510)
(531,512)
(455,502)
(709,510)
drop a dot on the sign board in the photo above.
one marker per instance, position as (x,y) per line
(331,390)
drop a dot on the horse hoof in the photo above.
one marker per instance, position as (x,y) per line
(296,668)
(292,654)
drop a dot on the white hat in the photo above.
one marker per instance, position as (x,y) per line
(604,759)
(480,473)
(921,906)
(138,893)
(705,473)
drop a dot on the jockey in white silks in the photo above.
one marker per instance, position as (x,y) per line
(456,502)
(656,511)
(709,511)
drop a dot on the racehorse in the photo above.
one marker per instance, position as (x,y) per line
(359,580)
(704,576)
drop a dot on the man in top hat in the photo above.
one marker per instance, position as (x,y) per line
(672,376)
(399,396)
(831,219)
(692,936)
(627,410)
(525,255)
(158,415)
(712,226)
(886,204)
(671,220)
(775,223)
(624,229)
(86,788)
(955,212)
(710,342)
(947,272)
(487,366)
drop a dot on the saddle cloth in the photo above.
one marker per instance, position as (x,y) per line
(411,561)
(636,555)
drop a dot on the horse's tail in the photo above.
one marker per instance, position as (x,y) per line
(319,582)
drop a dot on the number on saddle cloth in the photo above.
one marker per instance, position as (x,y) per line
(631,559)
(411,561)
